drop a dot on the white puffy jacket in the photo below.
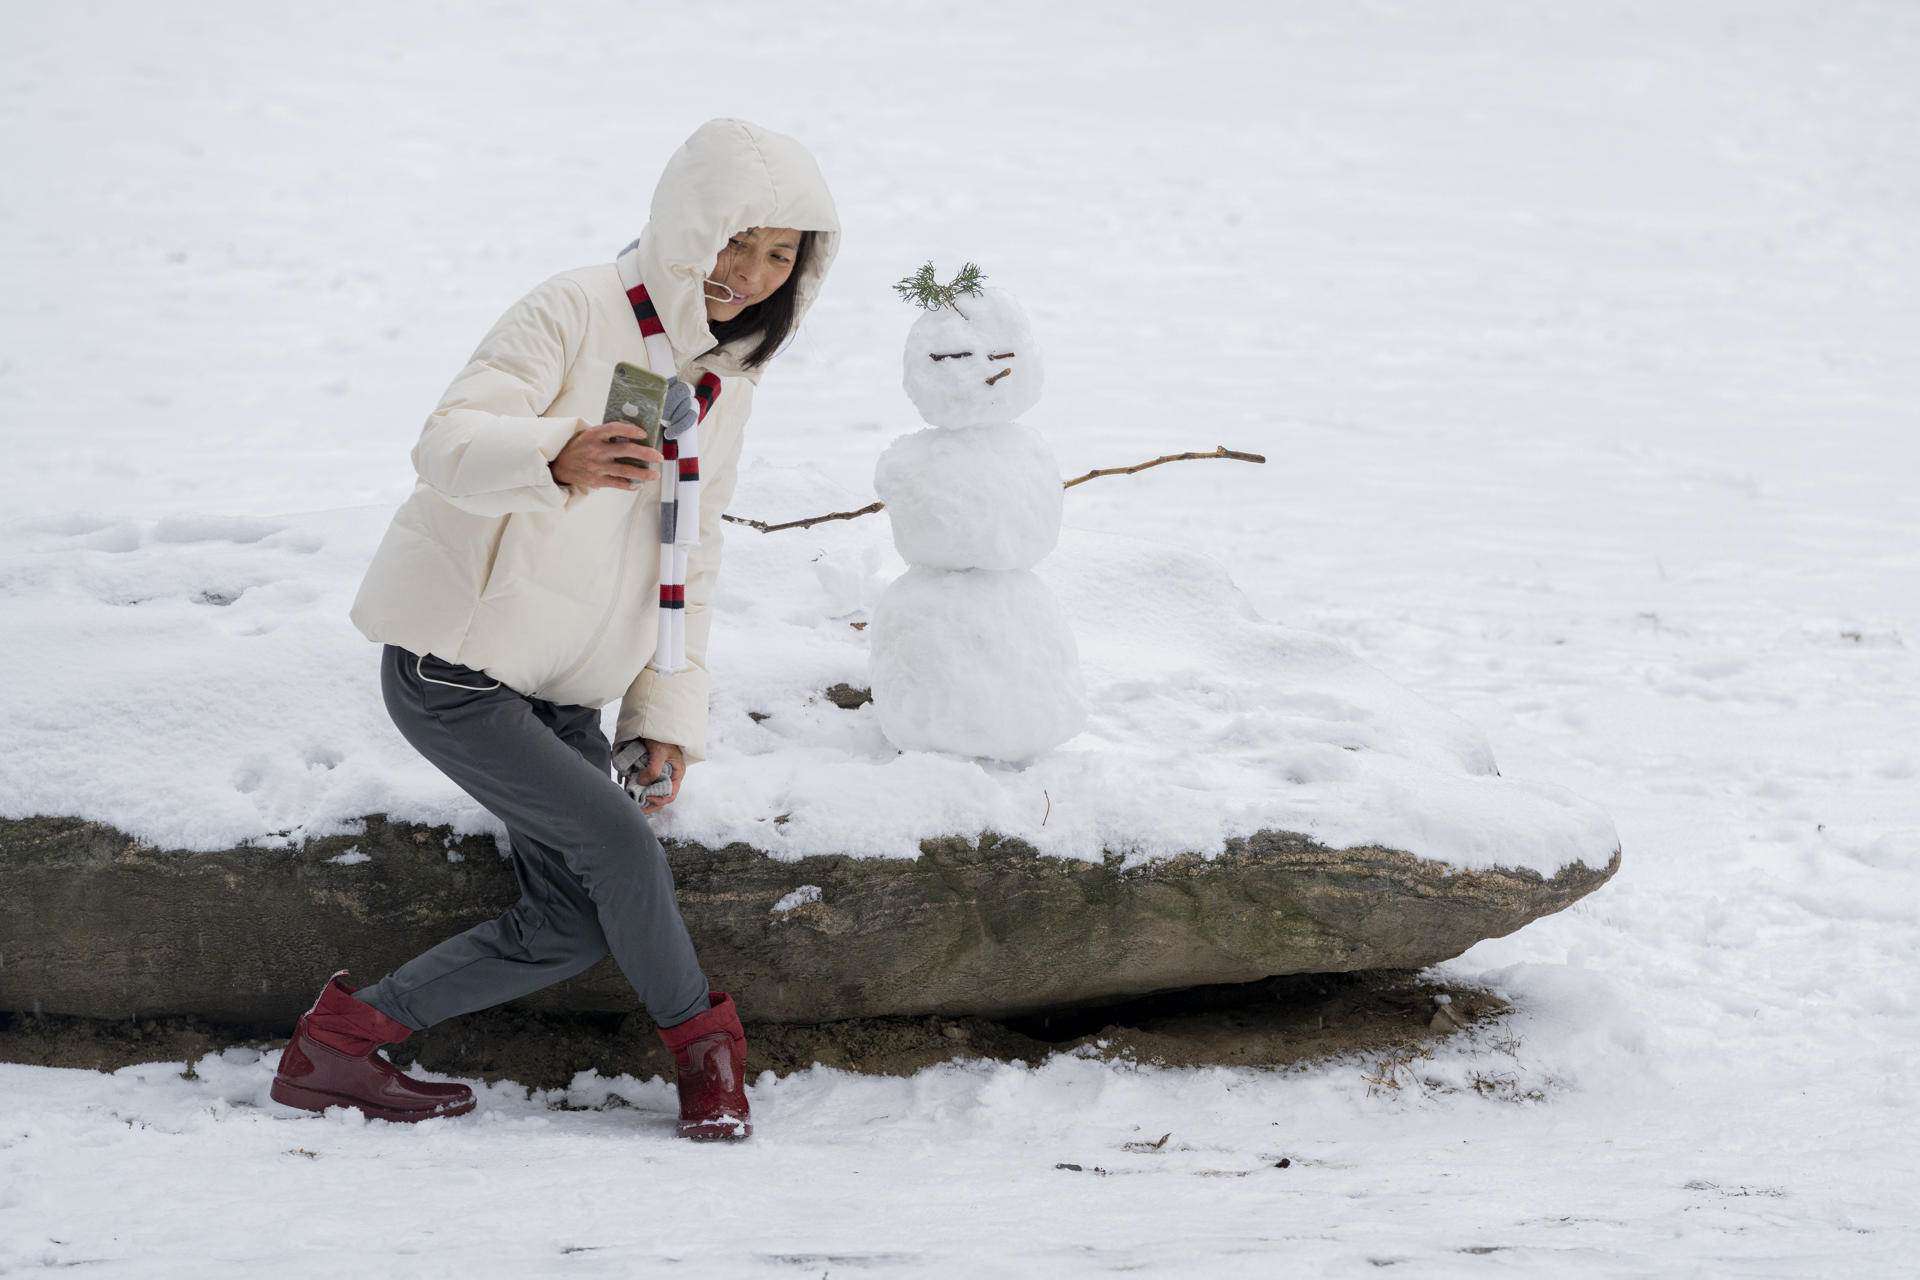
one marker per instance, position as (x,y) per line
(553,591)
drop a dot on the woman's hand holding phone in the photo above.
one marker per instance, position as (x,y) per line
(610,456)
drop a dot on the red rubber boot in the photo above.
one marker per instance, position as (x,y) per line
(330,1062)
(710,1058)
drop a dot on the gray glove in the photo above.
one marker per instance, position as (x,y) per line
(630,760)
(680,411)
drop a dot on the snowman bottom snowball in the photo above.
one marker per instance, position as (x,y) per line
(977,662)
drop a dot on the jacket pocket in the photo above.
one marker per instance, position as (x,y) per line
(507,559)
(437,670)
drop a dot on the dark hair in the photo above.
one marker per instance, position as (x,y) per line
(773,318)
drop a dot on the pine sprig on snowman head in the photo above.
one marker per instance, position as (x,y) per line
(923,288)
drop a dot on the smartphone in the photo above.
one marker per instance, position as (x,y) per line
(637,396)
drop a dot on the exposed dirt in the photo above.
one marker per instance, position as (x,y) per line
(1278,1022)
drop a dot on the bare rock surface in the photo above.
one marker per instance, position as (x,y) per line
(99,925)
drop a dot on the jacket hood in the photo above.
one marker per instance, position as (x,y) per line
(730,175)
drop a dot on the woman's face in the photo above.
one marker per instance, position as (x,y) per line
(755,263)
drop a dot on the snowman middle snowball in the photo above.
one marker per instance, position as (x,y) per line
(970,653)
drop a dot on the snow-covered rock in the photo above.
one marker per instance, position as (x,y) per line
(1207,722)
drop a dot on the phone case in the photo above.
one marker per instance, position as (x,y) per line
(637,396)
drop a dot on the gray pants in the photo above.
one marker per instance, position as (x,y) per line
(593,878)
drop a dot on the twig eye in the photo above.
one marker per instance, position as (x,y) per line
(947,355)
(1004,355)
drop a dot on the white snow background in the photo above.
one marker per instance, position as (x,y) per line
(1579,339)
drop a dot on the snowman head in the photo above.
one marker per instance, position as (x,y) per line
(973,361)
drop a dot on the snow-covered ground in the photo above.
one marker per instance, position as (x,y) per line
(1579,339)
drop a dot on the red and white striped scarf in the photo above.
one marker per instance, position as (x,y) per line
(679,479)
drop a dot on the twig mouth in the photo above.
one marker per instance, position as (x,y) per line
(996,377)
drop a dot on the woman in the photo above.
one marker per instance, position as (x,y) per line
(521,588)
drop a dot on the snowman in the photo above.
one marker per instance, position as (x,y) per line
(970,653)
